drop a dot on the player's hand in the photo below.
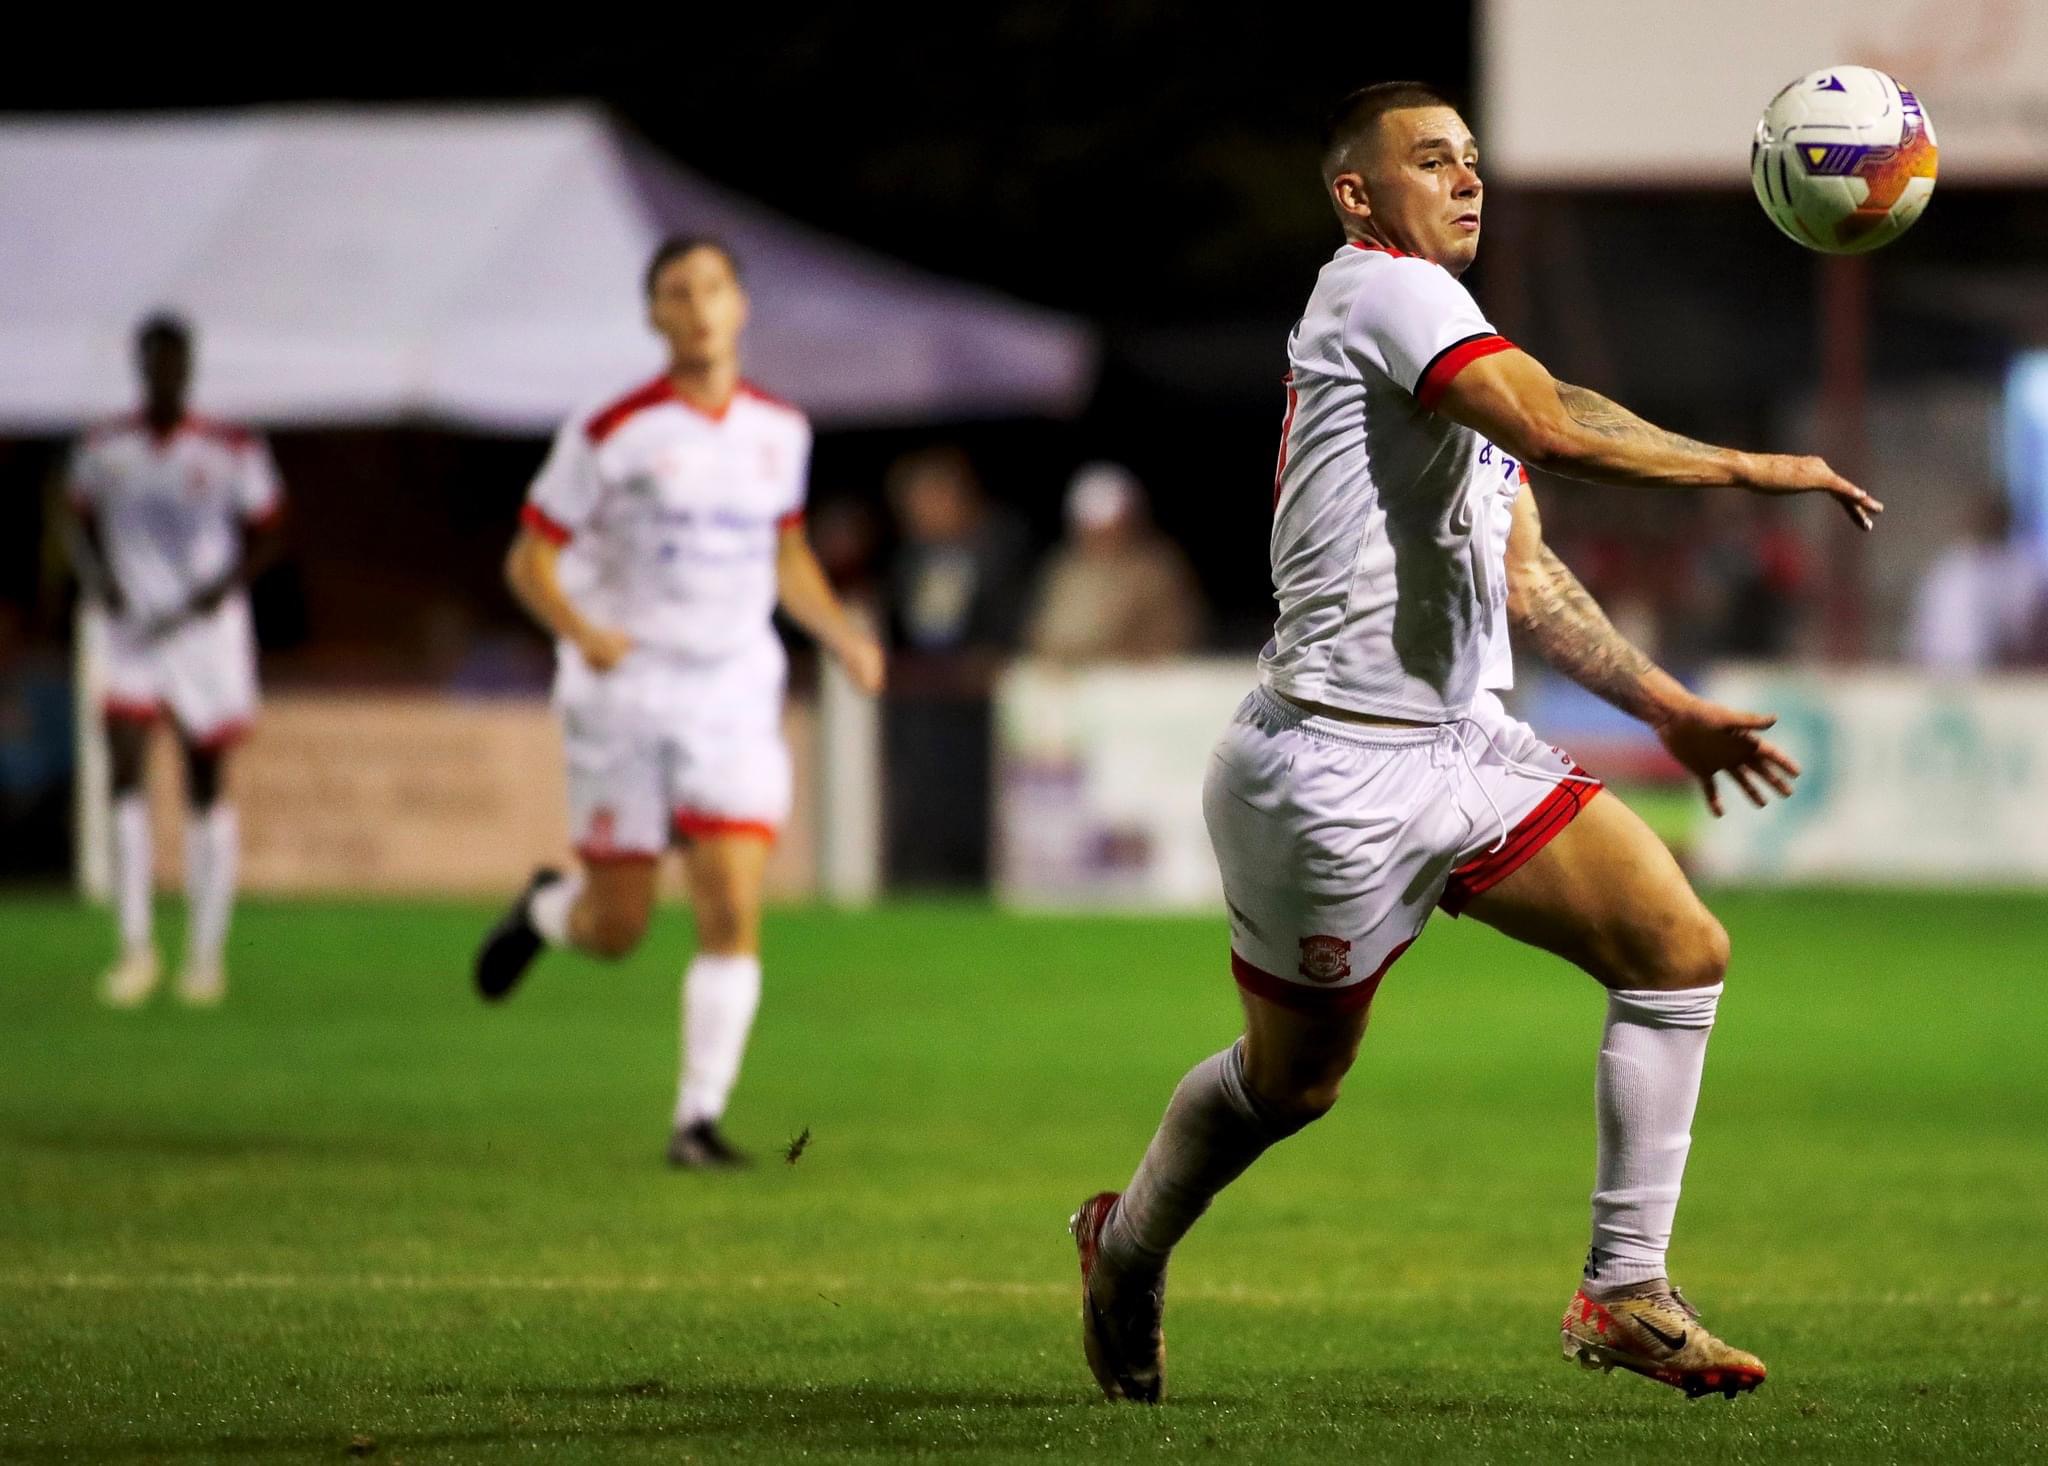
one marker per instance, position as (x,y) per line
(865,665)
(1710,740)
(603,647)
(1786,473)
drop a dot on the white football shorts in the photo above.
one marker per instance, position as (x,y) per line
(202,673)
(1336,840)
(656,754)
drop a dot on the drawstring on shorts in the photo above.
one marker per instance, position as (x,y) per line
(1465,754)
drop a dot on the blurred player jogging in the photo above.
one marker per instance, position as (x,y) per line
(663,531)
(176,514)
(1373,774)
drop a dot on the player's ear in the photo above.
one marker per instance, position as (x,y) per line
(1348,192)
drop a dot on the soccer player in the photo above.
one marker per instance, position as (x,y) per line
(177,514)
(663,531)
(1373,775)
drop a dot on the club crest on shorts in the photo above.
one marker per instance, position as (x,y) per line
(1325,959)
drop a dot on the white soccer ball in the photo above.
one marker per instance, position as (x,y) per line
(1843,160)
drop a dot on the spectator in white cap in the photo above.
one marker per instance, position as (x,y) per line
(1115,590)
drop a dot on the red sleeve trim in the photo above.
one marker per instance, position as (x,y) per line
(608,420)
(1446,364)
(790,520)
(1305,999)
(264,518)
(553,531)
(1538,828)
(693,825)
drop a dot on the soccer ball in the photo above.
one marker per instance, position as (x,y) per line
(1843,160)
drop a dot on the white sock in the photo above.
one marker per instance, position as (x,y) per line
(1213,1130)
(213,839)
(133,869)
(1645,1089)
(550,907)
(720,995)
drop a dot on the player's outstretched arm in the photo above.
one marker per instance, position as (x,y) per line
(807,596)
(533,572)
(1510,398)
(1552,613)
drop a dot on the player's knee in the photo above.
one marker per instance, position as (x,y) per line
(1689,951)
(726,918)
(1709,953)
(613,932)
(126,760)
(202,781)
(1292,1103)
(723,927)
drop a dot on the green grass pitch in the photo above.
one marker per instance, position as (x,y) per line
(355,1213)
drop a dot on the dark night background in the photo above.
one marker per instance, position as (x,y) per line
(1148,168)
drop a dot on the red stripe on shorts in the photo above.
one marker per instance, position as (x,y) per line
(1538,828)
(694,826)
(121,710)
(214,740)
(607,855)
(1305,999)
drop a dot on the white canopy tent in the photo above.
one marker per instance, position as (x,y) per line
(473,266)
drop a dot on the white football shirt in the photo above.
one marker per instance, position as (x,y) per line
(1389,522)
(669,517)
(171,508)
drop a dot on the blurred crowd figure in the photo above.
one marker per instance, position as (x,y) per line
(956,590)
(957,584)
(1116,589)
(1690,590)
(1983,603)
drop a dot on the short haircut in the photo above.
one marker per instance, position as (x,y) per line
(676,246)
(163,328)
(1357,115)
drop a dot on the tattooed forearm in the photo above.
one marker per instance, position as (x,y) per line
(1558,618)
(1611,420)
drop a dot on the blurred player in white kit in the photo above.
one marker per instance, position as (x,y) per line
(1373,774)
(177,514)
(656,544)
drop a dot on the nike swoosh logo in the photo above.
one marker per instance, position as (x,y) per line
(1660,1336)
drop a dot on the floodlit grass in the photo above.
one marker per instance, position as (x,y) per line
(354,1211)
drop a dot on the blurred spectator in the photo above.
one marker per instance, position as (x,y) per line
(36,747)
(956,598)
(1981,600)
(847,540)
(957,583)
(1116,590)
(1758,564)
